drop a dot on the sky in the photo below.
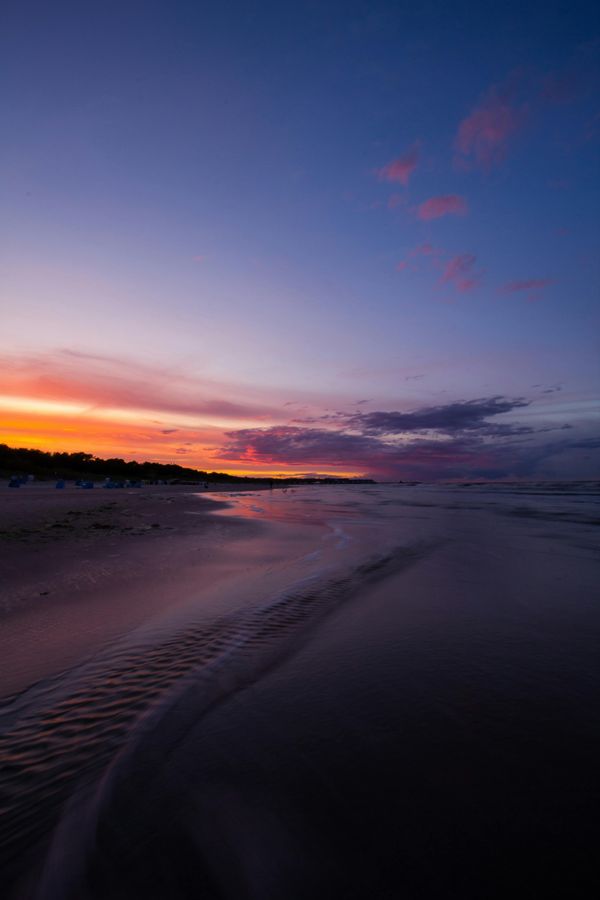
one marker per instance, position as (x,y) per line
(354,238)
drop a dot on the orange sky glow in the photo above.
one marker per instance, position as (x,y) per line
(70,405)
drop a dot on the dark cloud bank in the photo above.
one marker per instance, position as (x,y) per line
(456,440)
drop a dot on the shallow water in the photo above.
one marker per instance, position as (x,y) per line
(397,698)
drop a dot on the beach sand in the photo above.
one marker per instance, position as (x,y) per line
(78,567)
(342,692)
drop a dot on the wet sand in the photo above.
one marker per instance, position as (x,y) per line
(366,692)
(78,567)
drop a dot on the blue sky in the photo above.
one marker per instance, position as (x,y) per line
(313,205)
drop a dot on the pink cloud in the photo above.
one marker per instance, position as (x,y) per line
(106,382)
(402,168)
(483,135)
(425,249)
(436,207)
(459,272)
(450,439)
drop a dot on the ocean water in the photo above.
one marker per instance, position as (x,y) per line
(398,698)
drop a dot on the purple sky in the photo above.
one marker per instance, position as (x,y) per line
(323,237)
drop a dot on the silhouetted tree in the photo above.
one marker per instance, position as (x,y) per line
(21,461)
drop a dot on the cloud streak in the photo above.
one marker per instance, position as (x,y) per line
(459,271)
(291,444)
(104,382)
(119,408)
(484,135)
(447,205)
(468,415)
(448,441)
(492,452)
(400,170)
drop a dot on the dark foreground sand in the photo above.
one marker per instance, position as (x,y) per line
(343,692)
(78,567)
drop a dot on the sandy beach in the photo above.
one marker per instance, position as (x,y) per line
(301,693)
(78,567)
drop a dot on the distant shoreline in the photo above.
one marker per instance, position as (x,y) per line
(45,466)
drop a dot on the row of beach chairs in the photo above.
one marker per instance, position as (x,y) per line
(17,480)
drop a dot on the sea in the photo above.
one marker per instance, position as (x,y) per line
(397,697)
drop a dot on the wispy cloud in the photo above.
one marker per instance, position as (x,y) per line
(446,441)
(466,415)
(400,169)
(457,440)
(531,288)
(484,135)
(425,249)
(292,444)
(118,407)
(459,271)
(436,207)
(105,383)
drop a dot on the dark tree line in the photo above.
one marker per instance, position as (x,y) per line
(43,465)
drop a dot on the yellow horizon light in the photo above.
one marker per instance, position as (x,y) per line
(130,416)
(41,407)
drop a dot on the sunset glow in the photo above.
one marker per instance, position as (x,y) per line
(170,295)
